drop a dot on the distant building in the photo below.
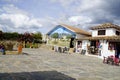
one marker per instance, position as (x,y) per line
(67,29)
(64,29)
(105,41)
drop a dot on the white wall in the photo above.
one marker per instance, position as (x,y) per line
(84,45)
(94,33)
(80,36)
(109,32)
(104,50)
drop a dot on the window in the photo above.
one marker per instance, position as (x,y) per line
(101,32)
(79,44)
(117,33)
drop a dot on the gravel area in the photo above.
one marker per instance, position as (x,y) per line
(44,64)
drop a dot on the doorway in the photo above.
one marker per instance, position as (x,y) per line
(94,47)
(117,54)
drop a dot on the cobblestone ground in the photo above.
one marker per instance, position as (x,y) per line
(43,64)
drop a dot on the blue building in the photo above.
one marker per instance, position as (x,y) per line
(64,29)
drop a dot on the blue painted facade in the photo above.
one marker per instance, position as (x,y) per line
(61,30)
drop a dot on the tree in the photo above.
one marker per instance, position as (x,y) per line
(10,36)
(27,37)
(7,35)
(55,35)
(15,35)
(37,35)
(69,36)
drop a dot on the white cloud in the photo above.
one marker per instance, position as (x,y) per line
(10,0)
(80,5)
(15,19)
(87,5)
(74,12)
(20,20)
(79,19)
(11,9)
(89,12)
(64,3)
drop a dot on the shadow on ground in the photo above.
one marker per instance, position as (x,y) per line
(42,75)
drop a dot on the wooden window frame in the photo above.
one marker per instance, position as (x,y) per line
(101,32)
(117,33)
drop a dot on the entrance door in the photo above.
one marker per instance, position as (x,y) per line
(117,49)
(72,43)
(93,43)
(93,47)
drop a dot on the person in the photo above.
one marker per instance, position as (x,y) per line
(2,47)
(20,48)
(116,60)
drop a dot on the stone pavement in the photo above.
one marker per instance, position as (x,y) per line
(43,64)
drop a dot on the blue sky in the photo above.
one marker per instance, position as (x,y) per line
(42,15)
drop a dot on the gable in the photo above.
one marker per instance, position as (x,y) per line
(60,29)
(63,28)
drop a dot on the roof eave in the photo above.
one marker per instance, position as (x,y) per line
(114,38)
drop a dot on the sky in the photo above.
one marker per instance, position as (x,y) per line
(43,15)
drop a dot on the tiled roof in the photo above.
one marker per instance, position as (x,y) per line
(106,25)
(113,38)
(76,30)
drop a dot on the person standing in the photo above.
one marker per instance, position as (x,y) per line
(20,46)
(3,49)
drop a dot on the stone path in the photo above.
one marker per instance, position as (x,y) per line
(43,64)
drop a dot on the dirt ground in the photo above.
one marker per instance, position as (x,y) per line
(44,64)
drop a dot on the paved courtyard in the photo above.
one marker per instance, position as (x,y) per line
(43,64)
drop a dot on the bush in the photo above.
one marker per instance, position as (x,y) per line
(27,45)
(8,45)
(37,41)
(35,45)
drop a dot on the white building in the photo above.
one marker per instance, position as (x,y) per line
(105,41)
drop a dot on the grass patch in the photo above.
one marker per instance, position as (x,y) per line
(60,43)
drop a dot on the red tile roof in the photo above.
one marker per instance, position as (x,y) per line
(106,25)
(76,30)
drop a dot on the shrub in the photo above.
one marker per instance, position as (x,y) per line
(8,45)
(35,45)
(27,45)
